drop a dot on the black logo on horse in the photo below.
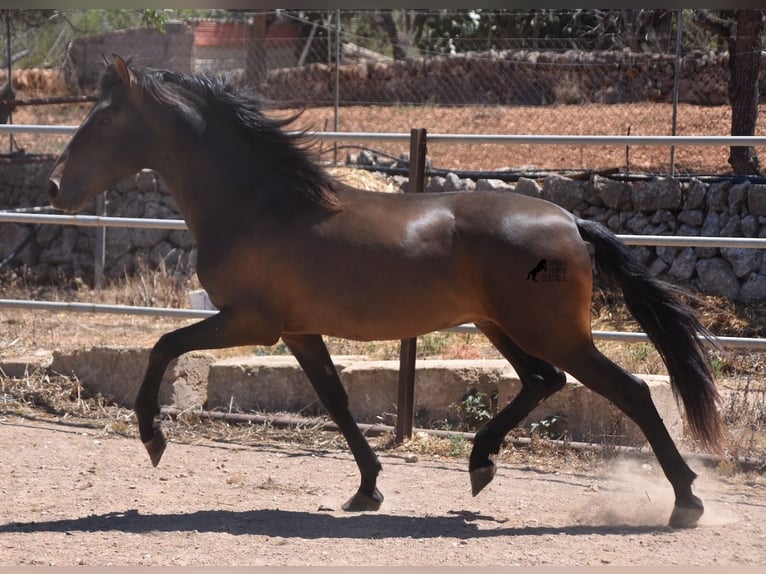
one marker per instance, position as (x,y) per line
(542,265)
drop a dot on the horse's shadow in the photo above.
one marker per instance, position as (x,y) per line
(294,524)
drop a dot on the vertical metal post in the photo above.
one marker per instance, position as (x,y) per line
(405,411)
(9,92)
(100,249)
(337,83)
(676,84)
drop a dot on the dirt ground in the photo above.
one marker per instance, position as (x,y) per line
(76,495)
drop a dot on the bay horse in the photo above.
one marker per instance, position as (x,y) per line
(285,250)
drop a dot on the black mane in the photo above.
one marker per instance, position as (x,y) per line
(285,152)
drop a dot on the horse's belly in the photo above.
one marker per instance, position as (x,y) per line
(379,314)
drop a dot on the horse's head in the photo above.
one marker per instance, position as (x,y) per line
(107,147)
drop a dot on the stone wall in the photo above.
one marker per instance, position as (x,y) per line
(661,206)
(497,77)
(57,251)
(515,77)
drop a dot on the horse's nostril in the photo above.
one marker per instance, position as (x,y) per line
(53,188)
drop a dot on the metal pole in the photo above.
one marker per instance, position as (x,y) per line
(337,82)
(676,84)
(10,74)
(100,250)
(405,411)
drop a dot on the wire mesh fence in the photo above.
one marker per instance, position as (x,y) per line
(350,76)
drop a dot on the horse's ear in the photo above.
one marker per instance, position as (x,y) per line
(127,77)
(106,60)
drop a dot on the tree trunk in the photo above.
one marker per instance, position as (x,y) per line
(744,64)
(391,30)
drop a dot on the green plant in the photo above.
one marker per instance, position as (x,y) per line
(718,365)
(474,408)
(546,427)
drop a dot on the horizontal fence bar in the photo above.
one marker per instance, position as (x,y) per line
(625,337)
(474,138)
(93,221)
(694,241)
(179,224)
(36,129)
(104,308)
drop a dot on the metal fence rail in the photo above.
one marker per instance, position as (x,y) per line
(539,139)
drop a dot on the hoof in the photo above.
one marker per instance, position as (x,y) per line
(361,502)
(155,447)
(481,477)
(686,516)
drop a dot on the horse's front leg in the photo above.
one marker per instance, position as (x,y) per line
(224,329)
(315,360)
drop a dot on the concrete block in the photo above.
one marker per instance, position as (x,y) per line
(265,383)
(118,372)
(22,367)
(271,383)
(587,416)
(372,387)
(278,384)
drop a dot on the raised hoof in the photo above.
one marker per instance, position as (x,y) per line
(481,477)
(155,447)
(361,502)
(686,516)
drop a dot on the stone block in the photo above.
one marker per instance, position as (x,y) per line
(117,372)
(587,416)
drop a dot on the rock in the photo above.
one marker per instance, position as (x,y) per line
(493,185)
(717,277)
(663,193)
(454,183)
(753,288)
(756,199)
(683,265)
(614,194)
(738,197)
(717,196)
(435,184)
(692,217)
(526,186)
(567,193)
(695,195)
(743,260)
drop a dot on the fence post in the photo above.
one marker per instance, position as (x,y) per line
(676,85)
(405,411)
(100,248)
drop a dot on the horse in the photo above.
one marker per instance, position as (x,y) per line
(287,251)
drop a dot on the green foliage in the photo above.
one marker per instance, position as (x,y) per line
(474,409)
(546,428)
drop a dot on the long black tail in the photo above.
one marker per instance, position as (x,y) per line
(671,325)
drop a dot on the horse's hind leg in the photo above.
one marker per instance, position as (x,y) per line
(539,380)
(631,395)
(313,356)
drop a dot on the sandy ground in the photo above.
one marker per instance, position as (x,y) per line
(72,495)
